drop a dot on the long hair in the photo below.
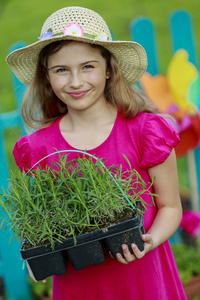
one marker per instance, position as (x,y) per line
(41,107)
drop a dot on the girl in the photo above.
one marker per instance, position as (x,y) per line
(79,97)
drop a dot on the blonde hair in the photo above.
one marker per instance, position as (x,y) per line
(41,107)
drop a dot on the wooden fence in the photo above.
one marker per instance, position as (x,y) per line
(182,37)
(11,267)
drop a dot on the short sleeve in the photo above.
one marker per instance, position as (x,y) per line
(23,154)
(159,138)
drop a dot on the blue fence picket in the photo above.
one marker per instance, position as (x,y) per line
(182,35)
(19,89)
(142,31)
(11,267)
(3,159)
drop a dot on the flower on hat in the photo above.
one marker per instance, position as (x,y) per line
(73,29)
(46,35)
(102,37)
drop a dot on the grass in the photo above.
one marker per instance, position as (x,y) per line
(22,20)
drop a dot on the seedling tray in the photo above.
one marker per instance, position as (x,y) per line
(88,248)
(46,265)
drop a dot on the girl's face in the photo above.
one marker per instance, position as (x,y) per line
(77,74)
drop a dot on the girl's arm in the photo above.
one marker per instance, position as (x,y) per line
(169,209)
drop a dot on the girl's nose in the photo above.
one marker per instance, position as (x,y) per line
(76,80)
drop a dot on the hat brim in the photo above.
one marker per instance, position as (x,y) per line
(130,56)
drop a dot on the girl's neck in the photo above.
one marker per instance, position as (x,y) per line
(87,131)
(88,118)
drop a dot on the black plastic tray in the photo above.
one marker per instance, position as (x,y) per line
(87,250)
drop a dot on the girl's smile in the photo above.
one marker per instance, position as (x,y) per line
(77,95)
(78,72)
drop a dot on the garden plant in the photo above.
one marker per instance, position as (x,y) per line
(68,199)
(66,210)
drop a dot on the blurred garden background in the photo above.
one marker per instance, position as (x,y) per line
(21,21)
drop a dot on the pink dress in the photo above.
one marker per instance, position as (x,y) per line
(147,141)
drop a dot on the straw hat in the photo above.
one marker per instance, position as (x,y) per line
(79,24)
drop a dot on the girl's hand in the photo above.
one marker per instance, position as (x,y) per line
(31,273)
(137,254)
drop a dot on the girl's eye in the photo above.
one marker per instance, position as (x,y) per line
(61,70)
(88,67)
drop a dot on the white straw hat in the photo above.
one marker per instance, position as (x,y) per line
(79,24)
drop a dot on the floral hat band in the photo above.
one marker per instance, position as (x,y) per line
(74,30)
(84,25)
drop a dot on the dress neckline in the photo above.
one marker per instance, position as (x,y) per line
(60,136)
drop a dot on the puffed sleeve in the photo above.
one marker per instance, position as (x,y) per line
(159,138)
(24,156)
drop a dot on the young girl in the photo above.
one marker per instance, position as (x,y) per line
(79,97)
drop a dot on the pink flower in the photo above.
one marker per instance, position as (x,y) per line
(73,29)
(190,223)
